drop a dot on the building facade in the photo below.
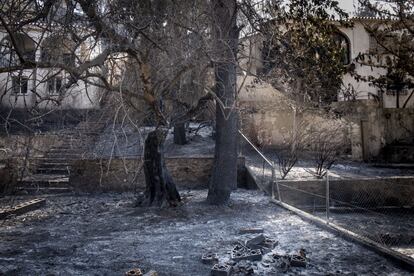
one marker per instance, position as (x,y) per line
(46,86)
(356,42)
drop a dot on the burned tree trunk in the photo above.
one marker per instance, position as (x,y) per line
(160,188)
(179,134)
(224,177)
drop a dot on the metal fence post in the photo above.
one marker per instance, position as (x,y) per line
(278,190)
(273,180)
(327,195)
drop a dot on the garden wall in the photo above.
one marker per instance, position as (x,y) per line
(377,133)
(268,118)
(26,149)
(192,172)
(18,144)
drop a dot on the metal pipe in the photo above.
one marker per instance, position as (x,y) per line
(256,149)
(273,180)
(327,196)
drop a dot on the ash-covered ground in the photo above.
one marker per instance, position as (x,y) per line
(106,235)
(391,228)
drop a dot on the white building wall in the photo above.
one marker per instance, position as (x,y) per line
(360,44)
(359,40)
(78,96)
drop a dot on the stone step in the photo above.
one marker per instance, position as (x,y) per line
(53,165)
(73,145)
(59,159)
(55,171)
(43,190)
(66,150)
(44,181)
(62,154)
(56,159)
(38,185)
(84,132)
(45,178)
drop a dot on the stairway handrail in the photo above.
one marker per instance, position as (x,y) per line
(257,150)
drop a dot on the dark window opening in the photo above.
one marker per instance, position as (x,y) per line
(20,85)
(25,45)
(343,43)
(30,56)
(55,85)
(44,55)
(58,50)
(68,59)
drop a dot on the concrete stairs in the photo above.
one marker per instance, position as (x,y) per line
(53,169)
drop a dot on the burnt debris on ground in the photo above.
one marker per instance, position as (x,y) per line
(21,208)
(106,234)
(254,255)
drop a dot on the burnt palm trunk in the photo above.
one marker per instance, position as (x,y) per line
(224,176)
(160,187)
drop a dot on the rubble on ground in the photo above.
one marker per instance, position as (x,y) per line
(22,208)
(256,251)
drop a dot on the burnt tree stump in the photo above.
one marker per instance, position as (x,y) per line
(160,187)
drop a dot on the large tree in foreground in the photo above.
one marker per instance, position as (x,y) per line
(225,44)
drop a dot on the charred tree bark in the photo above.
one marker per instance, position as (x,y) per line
(179,134)
(160,187)
(226,33)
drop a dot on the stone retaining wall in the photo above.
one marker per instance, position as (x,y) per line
(126,174)
(33,145)
(25,150)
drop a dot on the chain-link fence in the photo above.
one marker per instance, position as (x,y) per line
(379,210)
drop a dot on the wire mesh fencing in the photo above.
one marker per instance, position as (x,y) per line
(380,210)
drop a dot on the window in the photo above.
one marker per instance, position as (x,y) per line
(8,54)
(58,49)
(393,92)
(397,86)
(44,55)
(343,43)
(54,85)
(30,56)
(68,59)
(20,85)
